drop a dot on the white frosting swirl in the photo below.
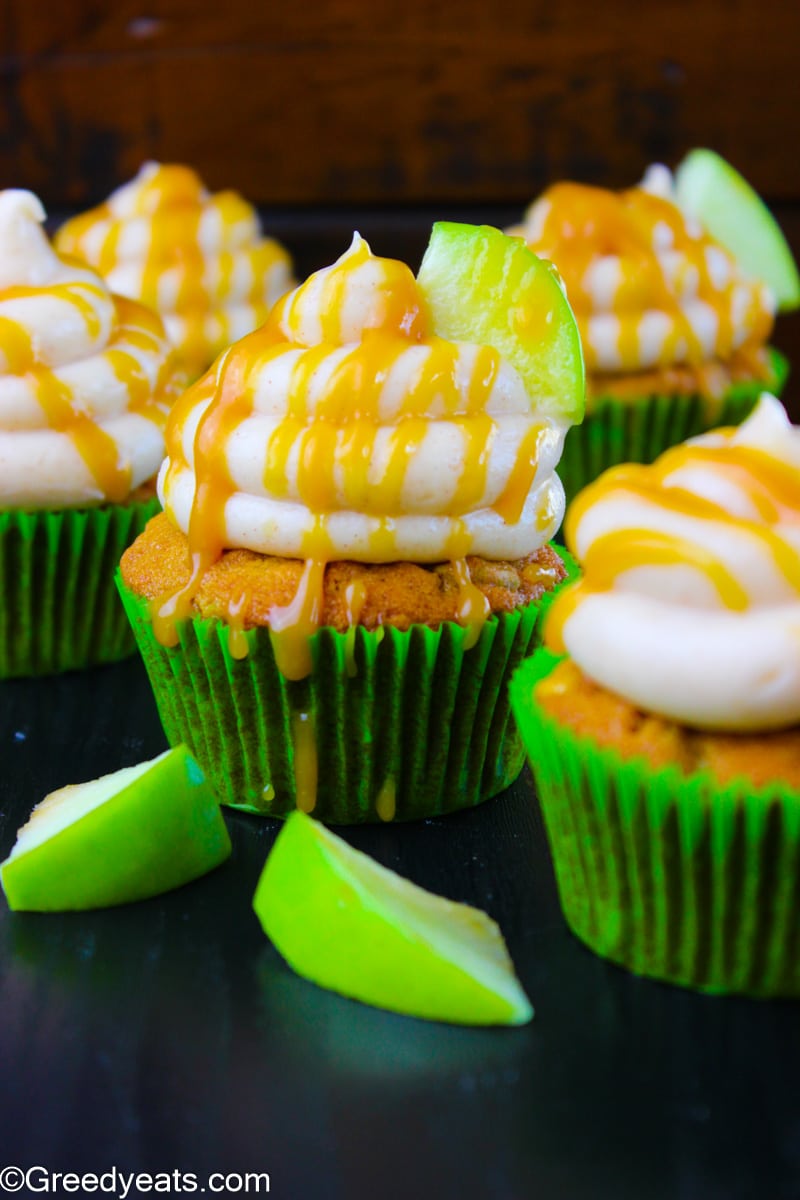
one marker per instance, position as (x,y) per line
(344,431)
(86,378)
(198,259)
(648,286)
(690,602)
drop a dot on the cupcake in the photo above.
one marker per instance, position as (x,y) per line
(674,330)
(663,719)
(199,260)
(86,381)
(358,500)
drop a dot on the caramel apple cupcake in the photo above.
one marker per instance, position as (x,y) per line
(199,260)
(674,328)
(86,381)
(358,500)
(666,744)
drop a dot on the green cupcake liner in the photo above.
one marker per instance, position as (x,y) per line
(60,609)
(404,724)
(672,876)
(640,428)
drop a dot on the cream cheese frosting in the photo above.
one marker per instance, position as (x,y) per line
(86,377)
(345,430)
(199,259)
(689,606)
(648,286)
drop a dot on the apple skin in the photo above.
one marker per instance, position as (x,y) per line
(347,924)
(157,832)
(484,287)
(709,188)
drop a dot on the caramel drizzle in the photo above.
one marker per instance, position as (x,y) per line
(97,448)
(175,202)
(772,487)
(386,801)
(331,431)
(235,615)
(583,224)
(355,598)
(293,625)
(473,606)
(306,764)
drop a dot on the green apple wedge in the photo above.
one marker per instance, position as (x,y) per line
(135,833)
(484,287)
(709,188)
(355,927)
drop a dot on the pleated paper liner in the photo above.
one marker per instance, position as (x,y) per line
(638,429)
(672,876)
(389,725)
(60,609)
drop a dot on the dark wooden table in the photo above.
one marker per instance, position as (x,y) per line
(169,1035)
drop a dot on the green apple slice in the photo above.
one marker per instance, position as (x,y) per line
(350,925)
(132,834)
(484,287)
(710,189)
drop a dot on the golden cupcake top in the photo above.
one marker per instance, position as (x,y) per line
(346,429)
(198,258)
(689,604)
(650,288)
(86,377)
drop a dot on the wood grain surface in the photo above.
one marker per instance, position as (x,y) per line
(337,102)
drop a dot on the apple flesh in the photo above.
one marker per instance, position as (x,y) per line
(484,287)
(710,189)
(135,833)
(355,927)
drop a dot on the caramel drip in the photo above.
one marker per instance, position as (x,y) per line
(140,329)
(355,597)
(566,603)
(235,618)
(510,504)
(459,540)
(772,487)
(74,293)
(583,224)
(231,404)
(473,607)
(107,258)
(97,448)
(181,215)
(17,347)
(341,438)
(624,550)
(293,625)
(438,379)
(306,765)
(548,514)
(383,539)
(386,801)
(142,399)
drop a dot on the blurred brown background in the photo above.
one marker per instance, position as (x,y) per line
(341,113)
